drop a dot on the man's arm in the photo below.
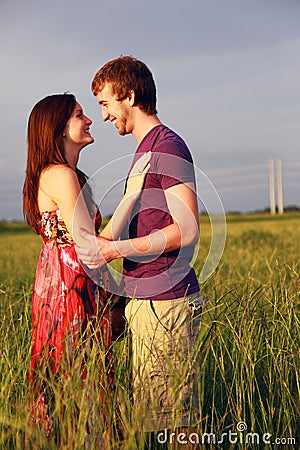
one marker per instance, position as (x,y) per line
(134,188)
(184,231)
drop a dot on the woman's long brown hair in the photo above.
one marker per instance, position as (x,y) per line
(46,125)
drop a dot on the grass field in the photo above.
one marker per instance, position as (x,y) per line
(249,374)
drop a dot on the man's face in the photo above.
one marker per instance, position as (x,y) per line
(117,111)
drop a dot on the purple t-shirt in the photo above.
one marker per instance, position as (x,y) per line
(168,275)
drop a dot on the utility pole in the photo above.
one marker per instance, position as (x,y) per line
(272,186)
(279,187)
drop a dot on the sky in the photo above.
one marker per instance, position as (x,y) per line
(227,74)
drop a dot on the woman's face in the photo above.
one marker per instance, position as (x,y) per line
(77,131)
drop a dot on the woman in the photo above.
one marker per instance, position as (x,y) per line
(65,300)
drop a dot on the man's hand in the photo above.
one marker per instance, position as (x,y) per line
(98,253)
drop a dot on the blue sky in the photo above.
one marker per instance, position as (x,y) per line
(227,74)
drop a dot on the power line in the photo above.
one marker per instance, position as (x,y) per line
(280,175)
(235,169)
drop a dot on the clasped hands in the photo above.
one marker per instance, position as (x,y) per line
(99,251)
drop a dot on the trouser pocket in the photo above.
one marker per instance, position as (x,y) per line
(196,303)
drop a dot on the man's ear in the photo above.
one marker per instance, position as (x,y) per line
(131,97)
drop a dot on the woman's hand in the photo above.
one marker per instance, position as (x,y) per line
(98,252)
(137,175)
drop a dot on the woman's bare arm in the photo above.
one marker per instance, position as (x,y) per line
(61,184)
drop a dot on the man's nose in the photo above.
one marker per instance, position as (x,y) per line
(105,114)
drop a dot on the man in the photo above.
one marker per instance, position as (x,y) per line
(157,246)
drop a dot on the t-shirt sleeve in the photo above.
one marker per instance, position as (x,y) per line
(173,164)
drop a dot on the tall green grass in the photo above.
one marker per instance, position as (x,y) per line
(249,358)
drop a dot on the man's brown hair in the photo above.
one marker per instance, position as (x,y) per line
(125,74)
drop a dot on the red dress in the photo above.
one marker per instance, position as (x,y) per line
(64,301)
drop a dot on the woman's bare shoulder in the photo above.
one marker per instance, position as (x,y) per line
(58,177)
(57,170)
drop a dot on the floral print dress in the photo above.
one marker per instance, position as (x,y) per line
(65,300)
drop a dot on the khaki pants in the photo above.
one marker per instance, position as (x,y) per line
(164,360)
